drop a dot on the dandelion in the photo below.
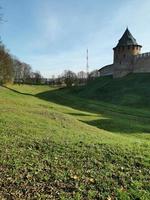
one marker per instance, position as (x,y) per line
(91,180)
(109,198)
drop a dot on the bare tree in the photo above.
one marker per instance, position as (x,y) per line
(27,70)
(82,76)
(6,65)
(94,74)
(69,78)
(22,71)
(37,77)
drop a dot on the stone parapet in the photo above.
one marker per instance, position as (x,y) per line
(142,55)
(106,70)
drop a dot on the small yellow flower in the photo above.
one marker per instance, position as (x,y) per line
(109,198)
(91,180)
(75,177)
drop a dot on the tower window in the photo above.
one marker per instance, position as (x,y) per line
(124,55)
(128,47)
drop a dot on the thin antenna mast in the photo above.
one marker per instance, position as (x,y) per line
(87,63)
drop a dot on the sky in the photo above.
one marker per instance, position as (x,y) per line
(53,35)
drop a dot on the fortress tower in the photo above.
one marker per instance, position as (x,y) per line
(126,48)
(127,58)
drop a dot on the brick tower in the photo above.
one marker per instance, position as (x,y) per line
(124,53)
(126,48)
(127,58)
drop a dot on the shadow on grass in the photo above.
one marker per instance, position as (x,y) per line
(79,114)
(115,127)
(16,91)
(114,120)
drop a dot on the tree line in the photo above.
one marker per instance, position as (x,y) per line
(69,78)
(15,71)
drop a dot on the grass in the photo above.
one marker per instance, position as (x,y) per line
(68,144)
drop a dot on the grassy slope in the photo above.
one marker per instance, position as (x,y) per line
(54,145)
(132,90)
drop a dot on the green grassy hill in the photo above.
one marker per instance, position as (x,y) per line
(75,144)
(132,90)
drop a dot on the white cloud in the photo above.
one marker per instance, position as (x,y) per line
(49,31)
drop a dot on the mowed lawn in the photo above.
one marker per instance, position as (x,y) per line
(57,145)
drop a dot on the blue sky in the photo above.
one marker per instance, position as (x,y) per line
(53,35)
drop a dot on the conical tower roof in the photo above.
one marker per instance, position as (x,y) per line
(127,39)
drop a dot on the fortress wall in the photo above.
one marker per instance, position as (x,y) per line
(136,64)
(106,71)
(142,64)
(121,70)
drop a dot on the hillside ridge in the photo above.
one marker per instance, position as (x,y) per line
(132,90)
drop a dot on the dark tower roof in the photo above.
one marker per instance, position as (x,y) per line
(127,39)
